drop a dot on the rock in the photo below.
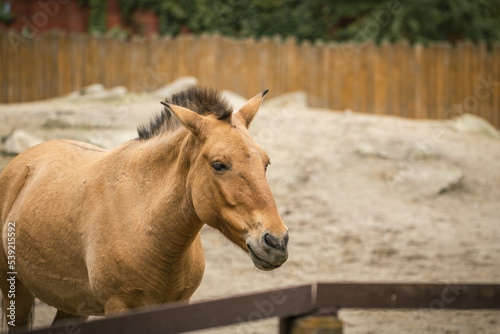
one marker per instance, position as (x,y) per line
(20,141)
(95,88)
(386,148)
(235,100)
(469,123)
(177,86)
(117,92)
(293,99)
(428,177)
(98,92)
(368,150)
(53,123)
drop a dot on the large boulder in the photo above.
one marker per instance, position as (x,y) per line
(469,123)
(97,91)
(20,141)
(235,100)
(289,100)
(177,86)
(426,178)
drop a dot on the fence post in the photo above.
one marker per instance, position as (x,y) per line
(323,322)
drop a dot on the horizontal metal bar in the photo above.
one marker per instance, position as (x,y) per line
(200,315)
(408,295)
(292,302)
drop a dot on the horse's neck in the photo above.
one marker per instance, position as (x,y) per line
(159,170)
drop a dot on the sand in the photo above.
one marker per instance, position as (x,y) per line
(366,199)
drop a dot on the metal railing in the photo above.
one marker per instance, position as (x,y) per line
(289,304)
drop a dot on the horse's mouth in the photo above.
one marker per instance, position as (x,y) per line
(259,263)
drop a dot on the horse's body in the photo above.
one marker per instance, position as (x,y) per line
(98,232)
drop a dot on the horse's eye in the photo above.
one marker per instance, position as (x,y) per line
(219,166)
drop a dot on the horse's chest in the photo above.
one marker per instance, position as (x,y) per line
(146,279)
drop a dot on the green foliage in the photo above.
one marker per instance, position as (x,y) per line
(5,13)
(97,17)
(419,21)
(360,20)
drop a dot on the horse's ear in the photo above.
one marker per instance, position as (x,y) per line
(191,120)
(248,111)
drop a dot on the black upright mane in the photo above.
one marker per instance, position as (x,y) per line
(204,101)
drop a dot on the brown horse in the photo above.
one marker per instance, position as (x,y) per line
(93,232)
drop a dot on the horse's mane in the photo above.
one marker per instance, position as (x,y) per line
(204,101)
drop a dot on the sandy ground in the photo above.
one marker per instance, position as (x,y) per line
(366,198)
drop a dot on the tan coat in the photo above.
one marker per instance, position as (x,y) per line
(98,231)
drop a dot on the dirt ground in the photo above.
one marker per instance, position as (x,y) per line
(366,198)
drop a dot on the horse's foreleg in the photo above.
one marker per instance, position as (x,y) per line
(115,305)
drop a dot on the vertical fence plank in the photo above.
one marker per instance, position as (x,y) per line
(346,75)
(276,56)
(407,81)
(267,54)
(183,55)
(394,82)
(354,79)
(472,104)
(452,83)
(325,71)
(77,62)
(23,71)
(239,77)
(480,92)
(430,80)
(496,87)
(380,75)
(302,66)
(203,63)
(65,64)
(292,60)
(419,81)
(365,78)
(442,61)
(335,78)
(468,76)
(13,64)
(4,44)
(270,67)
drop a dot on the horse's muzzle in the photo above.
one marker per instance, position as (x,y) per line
(270,252)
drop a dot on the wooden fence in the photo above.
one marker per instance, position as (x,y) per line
(438,82)
(289,304)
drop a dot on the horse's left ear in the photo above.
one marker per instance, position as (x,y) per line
(191,119)
(248,111)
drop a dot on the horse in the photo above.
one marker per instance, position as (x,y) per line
(96,232)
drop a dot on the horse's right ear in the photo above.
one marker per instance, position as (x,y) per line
(190,119)
(248,111)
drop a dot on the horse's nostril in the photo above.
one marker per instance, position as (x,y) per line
(270,240)
(275,242)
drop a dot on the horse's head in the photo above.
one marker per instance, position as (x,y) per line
(227,183)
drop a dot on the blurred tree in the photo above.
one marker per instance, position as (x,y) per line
(6,15)
(97,16)
(418,21)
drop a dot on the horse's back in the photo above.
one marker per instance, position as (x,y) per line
(42,161)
